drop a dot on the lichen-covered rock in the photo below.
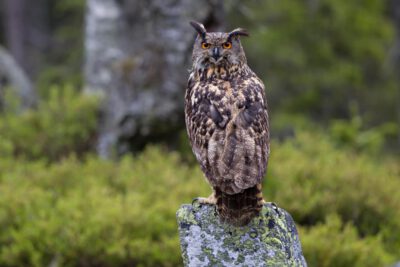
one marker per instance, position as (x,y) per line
(270,239)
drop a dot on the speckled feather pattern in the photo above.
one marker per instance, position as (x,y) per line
(227,123)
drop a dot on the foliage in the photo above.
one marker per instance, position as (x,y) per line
(64,123)
(346,134)
(372,140)
(334,244)
(312,178)
(94,212)
(63,60)
(322,57)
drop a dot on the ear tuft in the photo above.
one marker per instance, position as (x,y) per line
(199,28)
(238,32)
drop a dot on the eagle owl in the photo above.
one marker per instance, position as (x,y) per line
(227,123)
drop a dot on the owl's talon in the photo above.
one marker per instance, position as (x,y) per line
(211,200)
(196,199)
(200,201)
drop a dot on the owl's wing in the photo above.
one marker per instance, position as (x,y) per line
(202,119)
(253,130)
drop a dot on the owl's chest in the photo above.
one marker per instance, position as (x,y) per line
(224,94)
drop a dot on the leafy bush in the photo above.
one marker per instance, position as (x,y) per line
(312,178)
(94,212)
(64,123)
(350,133)
(334,244)
(58,208)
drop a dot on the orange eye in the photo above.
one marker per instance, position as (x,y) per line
(205,45)
(227,45)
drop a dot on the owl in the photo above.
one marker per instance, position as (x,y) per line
(227,123)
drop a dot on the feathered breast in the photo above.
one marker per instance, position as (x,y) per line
(227,123)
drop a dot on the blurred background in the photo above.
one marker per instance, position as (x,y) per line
(94,157)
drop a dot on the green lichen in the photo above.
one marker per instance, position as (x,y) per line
(240,260)
(253,234)
(269,239)
(184,215)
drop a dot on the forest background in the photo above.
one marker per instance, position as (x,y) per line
(94,157)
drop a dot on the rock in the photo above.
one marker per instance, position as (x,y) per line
(270,239)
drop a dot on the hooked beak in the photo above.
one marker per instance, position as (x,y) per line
(215,53)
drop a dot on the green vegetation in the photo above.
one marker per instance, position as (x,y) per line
(313,179)
(79,210)
(94,212)
(335,244)
(61,124)
(63,61)
(322,58)
(333,94)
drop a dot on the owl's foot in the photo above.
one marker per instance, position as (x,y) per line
(211,200)
(260,199)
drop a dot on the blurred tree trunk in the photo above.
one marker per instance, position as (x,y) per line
(26,36)
(395,10)
(39,39)
(16,28)
(137,56)
(27,32)
(13,75)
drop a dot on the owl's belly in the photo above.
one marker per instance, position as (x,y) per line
(232,154)
(231,158)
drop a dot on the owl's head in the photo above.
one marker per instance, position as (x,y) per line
(217,48)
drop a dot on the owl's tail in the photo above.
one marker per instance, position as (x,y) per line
(239,209)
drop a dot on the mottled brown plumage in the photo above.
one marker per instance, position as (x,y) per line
(227,122)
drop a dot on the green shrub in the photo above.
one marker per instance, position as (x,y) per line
(312,178)
(95,212)
(64,123)
(334,244)
(350,133)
